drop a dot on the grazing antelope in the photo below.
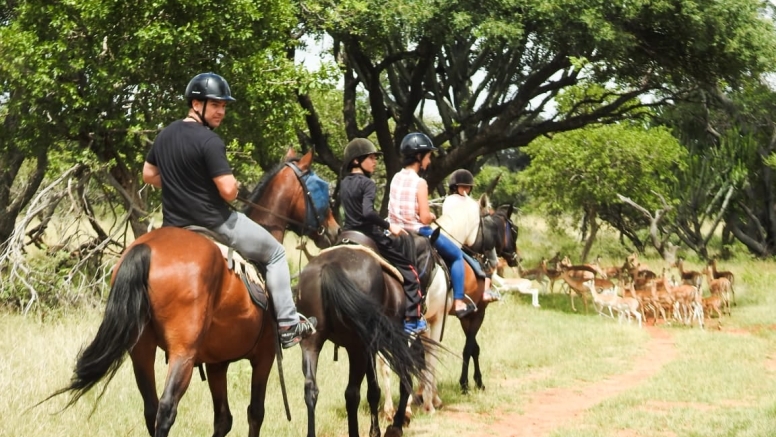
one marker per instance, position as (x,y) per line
(520,285)
(641,270)
(724,274)
(601,301)
(536,274)
(625,306)
(685,299)
(638,272)
(575,286)
(712,304)
(612,272)
(690,277)
(719,287)
(553,274)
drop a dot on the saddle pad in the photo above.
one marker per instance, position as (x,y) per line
(253,281)
(383,263)
(475,265)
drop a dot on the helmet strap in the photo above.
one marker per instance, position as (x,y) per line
(366,173)
(200,115)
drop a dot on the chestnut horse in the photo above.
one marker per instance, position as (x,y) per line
(172,289)
(496,231)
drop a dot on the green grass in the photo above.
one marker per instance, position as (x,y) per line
(720,383)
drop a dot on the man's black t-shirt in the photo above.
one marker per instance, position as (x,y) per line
(188,156)
(357,193)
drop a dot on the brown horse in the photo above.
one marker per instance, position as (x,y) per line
(360,307)
(172,289)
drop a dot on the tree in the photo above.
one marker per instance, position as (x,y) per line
(582,172)
(731,135)
(493,70)
(101,77)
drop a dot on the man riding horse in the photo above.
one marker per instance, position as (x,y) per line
(188,162)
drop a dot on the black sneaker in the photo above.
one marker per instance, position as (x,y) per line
(292,335)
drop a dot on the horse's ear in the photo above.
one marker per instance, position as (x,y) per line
(306,160)
(510,209)
(484,201)
(290,154)
(492,185)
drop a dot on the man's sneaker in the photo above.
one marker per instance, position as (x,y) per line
(415,326)
(290,336)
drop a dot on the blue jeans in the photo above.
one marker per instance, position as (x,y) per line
(453,256)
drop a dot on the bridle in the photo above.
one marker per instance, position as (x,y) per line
(485,241)
(311,184)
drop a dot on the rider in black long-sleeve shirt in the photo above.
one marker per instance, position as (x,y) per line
(357,194)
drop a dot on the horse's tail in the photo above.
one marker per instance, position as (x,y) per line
(125,315)
(343,300)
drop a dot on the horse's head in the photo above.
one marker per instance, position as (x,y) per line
(499,232)
(293,196)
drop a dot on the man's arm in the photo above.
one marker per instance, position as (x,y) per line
(151,175)
(227,186)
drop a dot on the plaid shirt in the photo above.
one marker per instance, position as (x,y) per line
(403,200)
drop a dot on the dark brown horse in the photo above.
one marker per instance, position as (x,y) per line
(496,231)
(173,290)
(359,307)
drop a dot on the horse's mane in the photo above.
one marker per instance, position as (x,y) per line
(504,210)
(262,185)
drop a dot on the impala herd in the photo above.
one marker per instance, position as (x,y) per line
(635,292)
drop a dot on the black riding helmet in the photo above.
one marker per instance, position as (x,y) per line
(461,177)
(416,142)
(358,148)
(207,86)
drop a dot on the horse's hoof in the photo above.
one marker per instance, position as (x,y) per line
(393,431)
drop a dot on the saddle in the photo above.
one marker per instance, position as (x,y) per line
(252,277)
(359,241)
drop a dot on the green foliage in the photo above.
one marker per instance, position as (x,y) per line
(109,74)
(506,191)
(586,169)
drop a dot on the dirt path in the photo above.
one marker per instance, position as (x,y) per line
(553,408)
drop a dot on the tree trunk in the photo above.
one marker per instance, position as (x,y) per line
(12,204)
(592,219)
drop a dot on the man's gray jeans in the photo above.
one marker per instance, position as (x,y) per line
(257,244)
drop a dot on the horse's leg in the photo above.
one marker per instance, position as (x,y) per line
(437,302)
(428,389)
(178,379)
(216,380)
(358,365)
(373,399)
(310,352)
(471,342)
(262,365)
(464,380)
(385,376)
(143,356)
(396,428)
